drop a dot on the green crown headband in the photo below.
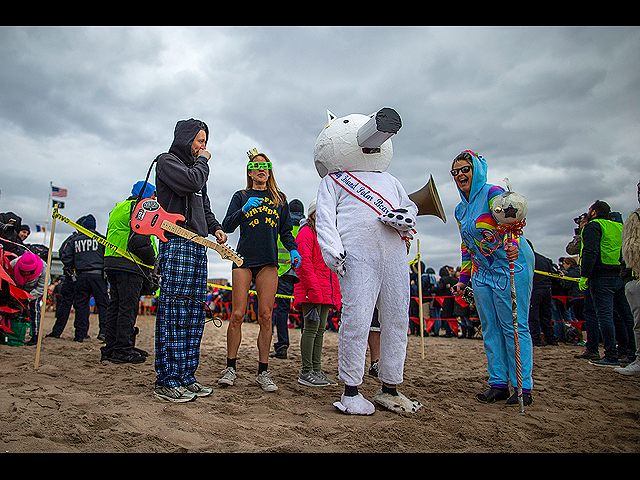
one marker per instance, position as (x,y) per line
(256,165)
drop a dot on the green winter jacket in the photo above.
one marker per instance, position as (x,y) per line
(601,252)
(120,234)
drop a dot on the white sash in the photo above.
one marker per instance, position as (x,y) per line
(367,195)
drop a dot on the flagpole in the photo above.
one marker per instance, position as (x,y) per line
(46,219)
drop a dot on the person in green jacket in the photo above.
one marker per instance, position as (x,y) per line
(280,317)
(126,278)
(600,266)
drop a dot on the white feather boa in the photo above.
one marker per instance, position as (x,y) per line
(631,241)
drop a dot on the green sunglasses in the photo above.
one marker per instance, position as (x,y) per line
(259,165)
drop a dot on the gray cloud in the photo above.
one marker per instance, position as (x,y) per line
(554,109)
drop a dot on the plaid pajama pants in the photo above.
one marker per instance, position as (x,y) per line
(180,321)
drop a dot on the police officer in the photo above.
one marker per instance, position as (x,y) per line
(85,256)
(67,292)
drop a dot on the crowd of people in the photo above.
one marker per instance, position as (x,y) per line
(594,290)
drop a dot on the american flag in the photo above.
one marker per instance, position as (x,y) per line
(58,192)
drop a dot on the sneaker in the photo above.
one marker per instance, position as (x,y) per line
(588,355)
(527,399)
(279,353)
(228,377)
(323,376)
(174,394)
(493,394)
(130,358)
(604,362)
(199,390)
(631,369)
(265,382)
(311,379)
(374,369)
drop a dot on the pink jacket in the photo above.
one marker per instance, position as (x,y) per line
(317,283)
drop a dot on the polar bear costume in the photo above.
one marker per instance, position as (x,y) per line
(365,246)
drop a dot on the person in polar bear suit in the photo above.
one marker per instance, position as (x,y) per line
(363,217)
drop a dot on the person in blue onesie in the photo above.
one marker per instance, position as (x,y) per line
(485,261)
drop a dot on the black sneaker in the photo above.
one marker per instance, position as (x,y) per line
(527,399)
(588,355)
(373,369)
(132,358)
(605,362)
(279,353)
(493,395)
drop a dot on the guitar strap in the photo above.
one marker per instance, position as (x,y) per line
(144,186)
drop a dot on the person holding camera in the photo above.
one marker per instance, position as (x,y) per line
(600,267)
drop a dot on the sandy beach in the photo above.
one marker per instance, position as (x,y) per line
(75,403)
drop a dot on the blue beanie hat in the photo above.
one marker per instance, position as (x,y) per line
(88,222)
(148,190)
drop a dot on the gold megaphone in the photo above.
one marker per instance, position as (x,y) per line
(428,200)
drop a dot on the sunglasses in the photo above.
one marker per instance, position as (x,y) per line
(456,171)
(259,165)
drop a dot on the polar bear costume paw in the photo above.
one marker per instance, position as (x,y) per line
(357,405)
(399,219)
(396,403)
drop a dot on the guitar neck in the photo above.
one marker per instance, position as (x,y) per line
(184,233)
(224,251)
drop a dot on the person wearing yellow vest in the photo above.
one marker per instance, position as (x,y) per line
(280,316)
(600,266)
(126,278)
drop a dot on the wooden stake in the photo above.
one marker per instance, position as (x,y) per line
(46,288)
(420,299)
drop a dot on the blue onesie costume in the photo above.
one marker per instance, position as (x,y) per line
(485,262)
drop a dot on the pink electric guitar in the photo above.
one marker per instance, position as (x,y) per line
(149,218)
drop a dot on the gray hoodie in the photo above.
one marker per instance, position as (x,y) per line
(181,181)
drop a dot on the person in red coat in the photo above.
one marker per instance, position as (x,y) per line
(317,292)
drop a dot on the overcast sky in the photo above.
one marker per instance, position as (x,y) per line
(554,109)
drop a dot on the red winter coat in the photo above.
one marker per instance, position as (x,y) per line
(317,283)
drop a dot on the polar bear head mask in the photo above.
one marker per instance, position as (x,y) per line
(356,143)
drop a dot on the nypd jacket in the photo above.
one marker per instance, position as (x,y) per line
(82,254)
(181,181)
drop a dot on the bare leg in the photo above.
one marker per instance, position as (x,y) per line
(241,279)
(266,286)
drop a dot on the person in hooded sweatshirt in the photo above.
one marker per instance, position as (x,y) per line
(485,256)
(126,278)
(29,273)
(85,256)
(181,187)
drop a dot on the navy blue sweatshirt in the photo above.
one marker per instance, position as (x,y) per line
(259,228)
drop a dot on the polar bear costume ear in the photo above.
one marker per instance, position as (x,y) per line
(337,148)
(330,118)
